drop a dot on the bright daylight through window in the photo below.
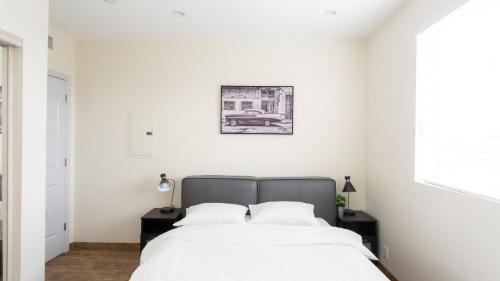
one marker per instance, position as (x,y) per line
(458,100)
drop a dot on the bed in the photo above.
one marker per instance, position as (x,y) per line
(241,252)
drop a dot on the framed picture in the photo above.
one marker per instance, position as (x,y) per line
(257,110)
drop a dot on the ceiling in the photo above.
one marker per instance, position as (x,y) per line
(154,19)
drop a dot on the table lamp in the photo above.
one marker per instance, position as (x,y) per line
(166,185)
(348,187)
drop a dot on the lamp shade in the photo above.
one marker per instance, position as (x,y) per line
(165,184)
(348,187)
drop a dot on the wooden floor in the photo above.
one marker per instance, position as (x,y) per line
(98,265)
(93,265)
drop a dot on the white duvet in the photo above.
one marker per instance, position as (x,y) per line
(249,252)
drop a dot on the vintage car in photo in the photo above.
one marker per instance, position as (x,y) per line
(253,117)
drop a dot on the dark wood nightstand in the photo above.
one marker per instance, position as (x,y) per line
(364,225)
(155,223)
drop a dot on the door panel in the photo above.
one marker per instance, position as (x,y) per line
(56,241)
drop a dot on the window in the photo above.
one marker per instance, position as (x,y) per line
(271,94)
(264,94)
(458,101)
(267,94)
(267,106)
(246,105)
(228,105)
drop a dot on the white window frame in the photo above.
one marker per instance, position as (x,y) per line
(421,179)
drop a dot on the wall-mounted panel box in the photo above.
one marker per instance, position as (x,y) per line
(143,133)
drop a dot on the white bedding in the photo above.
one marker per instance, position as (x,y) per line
(249,252)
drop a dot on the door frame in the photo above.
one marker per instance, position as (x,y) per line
(69,163)
(13,93)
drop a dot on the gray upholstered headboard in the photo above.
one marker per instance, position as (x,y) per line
(318,191)
(219,189)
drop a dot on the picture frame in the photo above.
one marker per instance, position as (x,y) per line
(257,110)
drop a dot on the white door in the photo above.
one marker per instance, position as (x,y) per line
(56,241)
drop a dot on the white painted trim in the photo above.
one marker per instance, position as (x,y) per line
(67,181)
(457,190)
(4,64)
(10,161)
(7,39)
(8,188)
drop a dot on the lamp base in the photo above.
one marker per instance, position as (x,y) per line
(167,210)
(349,212)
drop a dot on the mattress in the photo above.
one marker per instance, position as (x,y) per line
(250,252)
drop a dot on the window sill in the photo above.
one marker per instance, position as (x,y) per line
(459,191)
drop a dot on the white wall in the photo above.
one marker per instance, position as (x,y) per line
(181,82)
(433,234)
(28,19)
(2,73)
(62,60)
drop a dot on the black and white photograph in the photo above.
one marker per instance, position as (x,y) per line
(257,110)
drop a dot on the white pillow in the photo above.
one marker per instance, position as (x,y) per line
(214,213)
(284,212)
(322,222)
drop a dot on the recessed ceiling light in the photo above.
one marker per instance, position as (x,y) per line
(330,13)
(179,14)
(110,1)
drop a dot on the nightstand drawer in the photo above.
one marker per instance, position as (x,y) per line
(155,223)
(157,226)
(369,229)
(371,242)
(146,238)
(364,225)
